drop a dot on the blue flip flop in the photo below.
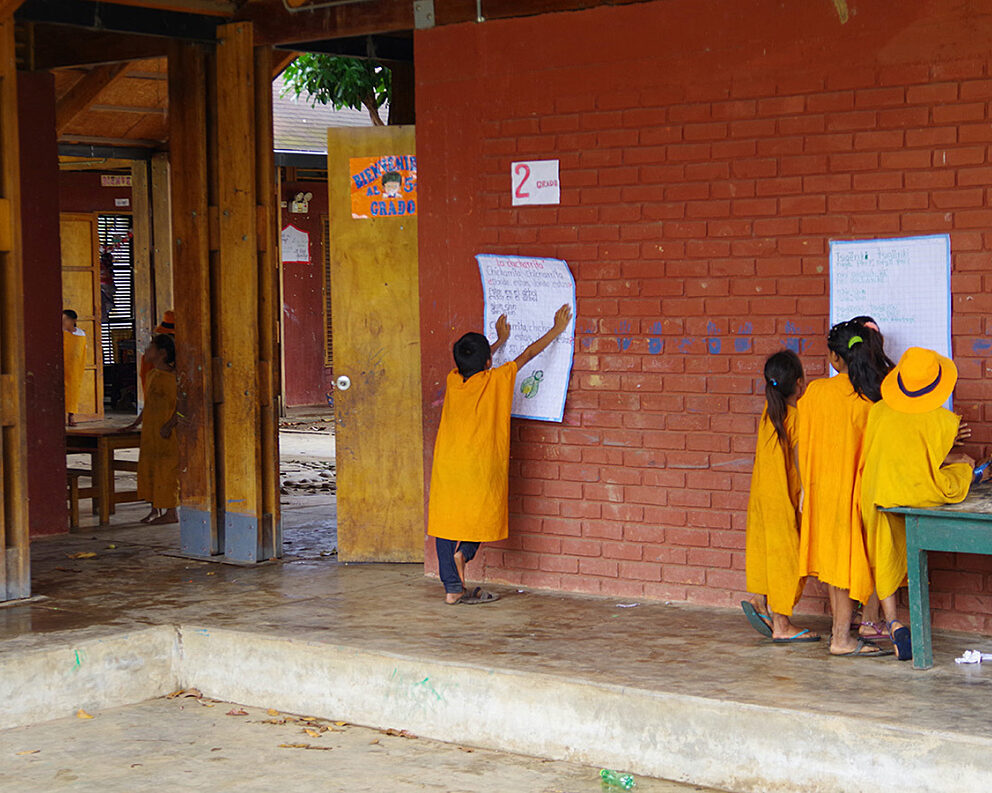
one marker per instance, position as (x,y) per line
(902,640)
(802,637)
(758,622)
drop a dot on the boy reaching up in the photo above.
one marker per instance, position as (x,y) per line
(470,476)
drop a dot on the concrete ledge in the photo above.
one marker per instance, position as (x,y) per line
(709,742)
(90,673)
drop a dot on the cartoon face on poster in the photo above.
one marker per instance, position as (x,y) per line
(383,186)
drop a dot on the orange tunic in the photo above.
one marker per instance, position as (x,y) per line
(158,459)
(470,475)
(904,467)
(772,558)
(832,420)
(74,360)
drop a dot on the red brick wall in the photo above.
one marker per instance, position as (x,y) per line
(709,150)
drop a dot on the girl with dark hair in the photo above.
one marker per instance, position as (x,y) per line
(832,417)
(158,458)
(772,558)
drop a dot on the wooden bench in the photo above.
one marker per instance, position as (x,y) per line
(958,528)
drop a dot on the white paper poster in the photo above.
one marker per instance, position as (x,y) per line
(904,284)
(295,245)
(529,291)
(535,182)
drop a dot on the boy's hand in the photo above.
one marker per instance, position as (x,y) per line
(562,317)
(964,432)
(502,329)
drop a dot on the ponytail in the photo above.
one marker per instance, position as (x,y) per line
(860,347)
(783,371)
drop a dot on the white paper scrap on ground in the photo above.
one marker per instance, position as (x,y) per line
(529,291)
(904,284)
(973,657)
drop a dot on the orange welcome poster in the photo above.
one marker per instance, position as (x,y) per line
(383,186)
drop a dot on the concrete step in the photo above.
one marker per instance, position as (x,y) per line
(713,740)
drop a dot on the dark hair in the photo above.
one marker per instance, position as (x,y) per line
(70,314)
(392,176)
(876,343)
(472,353)
(853,342)
(167,344)
(783,371)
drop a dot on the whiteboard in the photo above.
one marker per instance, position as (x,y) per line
(529,291)
(905,284)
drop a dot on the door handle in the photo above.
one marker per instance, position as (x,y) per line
(343,383)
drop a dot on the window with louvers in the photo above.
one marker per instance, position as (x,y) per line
(115,231)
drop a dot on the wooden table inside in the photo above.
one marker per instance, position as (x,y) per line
(101,442)
(962,528)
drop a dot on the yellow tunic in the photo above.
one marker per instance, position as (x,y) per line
(74,359)
(831,431)
(903,454)
(158,461)
(470,476)
(772,558)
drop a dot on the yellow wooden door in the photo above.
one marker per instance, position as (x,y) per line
(81,293)
(376,339)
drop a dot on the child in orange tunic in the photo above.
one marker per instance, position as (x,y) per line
(470,475)
(772,558)
(832,417)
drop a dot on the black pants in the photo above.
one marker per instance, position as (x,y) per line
(446,561)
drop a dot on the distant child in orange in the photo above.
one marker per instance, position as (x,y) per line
(470,476)
(832,417)
(772,558)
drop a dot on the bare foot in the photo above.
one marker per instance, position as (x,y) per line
(460,566)
(784,628)
(453,597)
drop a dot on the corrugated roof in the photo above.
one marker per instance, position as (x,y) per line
(298,127)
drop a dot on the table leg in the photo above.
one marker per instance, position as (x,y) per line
(112,479)
(919,596)
(104,472)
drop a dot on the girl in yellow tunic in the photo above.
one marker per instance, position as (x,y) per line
(74,360)
(470,475)
(158,460)
(832,417)
(907,461)
(772,558)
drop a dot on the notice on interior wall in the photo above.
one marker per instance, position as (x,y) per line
(295,245)
(383,187)
(535,182)
(115,180)
(529,291)
(904,284)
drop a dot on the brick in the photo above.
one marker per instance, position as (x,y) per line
(973,155)
(880,97)
(609,568)
(956,113)
(944,199)
(688,152)
(926,221)
(931,136)
(577,547)
(903,200)
(830,102)
(932,93)
(881,139)
(804,164)
(973,218)
(924,179)
(782,106)
(802,205)
(683,575)
(801,125)
(975,133)
(902,118)
(853,162)
(640,571)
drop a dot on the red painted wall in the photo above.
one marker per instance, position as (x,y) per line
(80,191)
(47,512)
(303,304)
(709,150)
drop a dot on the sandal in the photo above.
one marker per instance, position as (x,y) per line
(878,631)
(805,635)
(760,622)
(902,641)
(865,649)
(476,596)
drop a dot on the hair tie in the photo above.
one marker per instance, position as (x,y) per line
(854,340)
(774,382)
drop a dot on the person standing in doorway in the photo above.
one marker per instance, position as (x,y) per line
(74,362)
(166,326)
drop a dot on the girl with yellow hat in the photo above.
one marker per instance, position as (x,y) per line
(908,462)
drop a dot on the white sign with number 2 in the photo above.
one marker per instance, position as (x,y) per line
(535,182)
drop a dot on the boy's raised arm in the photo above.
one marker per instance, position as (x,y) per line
(562,317)
(502,334)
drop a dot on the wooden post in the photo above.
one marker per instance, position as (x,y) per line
(199,526)
(144,298)
(269,303)
(162,233)
(15,570)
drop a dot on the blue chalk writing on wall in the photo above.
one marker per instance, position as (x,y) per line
(743,344)
(656,345)
(684,344)
(980,345)
(623,343)
(586,331)
(713,343)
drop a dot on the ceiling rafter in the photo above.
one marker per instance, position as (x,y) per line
(85,92)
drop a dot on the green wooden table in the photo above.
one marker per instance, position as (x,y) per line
(960,528)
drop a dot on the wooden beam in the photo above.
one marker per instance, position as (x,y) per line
(220,8)
(85,92)
(8,7)
(280,60)
(15,569)
(144,299)
(61,46)
(143,111)
(96,140)
(191,262)
(237,287)
(274,24)
(162,233)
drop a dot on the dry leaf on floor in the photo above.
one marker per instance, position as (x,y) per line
(205,704)
(308,718)
(373,743)
(272,712)
(82,714)
(398,733)
(312,733)
(111,547)
(341,723)
(29,751)
(192,692)
(304,746)
(81,555)
(274,721)
(237,712)
(212,572)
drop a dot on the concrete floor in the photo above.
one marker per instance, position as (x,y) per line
(187,744)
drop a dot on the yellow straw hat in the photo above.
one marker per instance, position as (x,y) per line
(921,381)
